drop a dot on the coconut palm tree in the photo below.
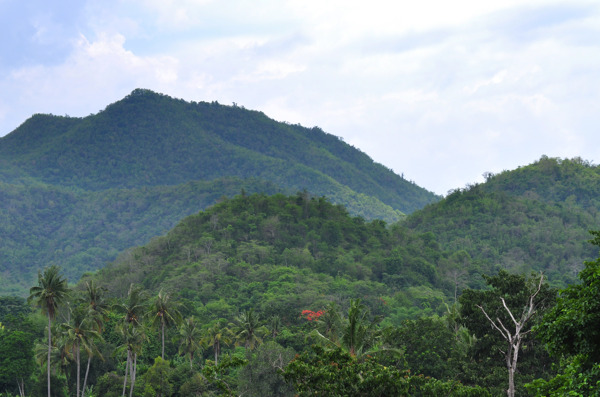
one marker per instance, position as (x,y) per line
(51,290)
(247,329)
(133,339)
(164,313)
(93,298)
(360,333)
(79,333)
(133,307)
(190,338)
(215,336)
(356,334)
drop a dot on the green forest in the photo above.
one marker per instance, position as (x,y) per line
(291,295)
(170,248)
(77,191)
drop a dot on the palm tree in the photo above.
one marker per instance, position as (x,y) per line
(164,313)
(51,290)
(330,322)
(356,333)
(133,339)
(190,337)
(93,298)
(274,326)
(359,333)
(134,306)
(215,336)
(247,329)
(134,309)
(79,333)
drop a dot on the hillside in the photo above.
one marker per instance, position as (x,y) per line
(534,218)
(279,254)
(76,191)
(149,139)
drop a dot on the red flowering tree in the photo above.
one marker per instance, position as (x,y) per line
(310,315)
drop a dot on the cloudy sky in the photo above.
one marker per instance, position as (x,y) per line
(439,91)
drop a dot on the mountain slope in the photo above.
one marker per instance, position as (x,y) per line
(148,139)
(76,191)
(280,254)
(534,218)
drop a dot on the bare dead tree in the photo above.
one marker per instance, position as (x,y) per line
(514,339)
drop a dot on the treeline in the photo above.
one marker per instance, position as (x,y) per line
(146,345)
(259,295)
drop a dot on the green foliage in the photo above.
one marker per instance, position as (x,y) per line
(16,359)
(77,191)
(261,376)
(576,378)
(429,347)
(337,373)
(572,330)
(156,379)
(277,244)
(489,363)
(534,218)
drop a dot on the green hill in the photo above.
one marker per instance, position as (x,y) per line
(281,254)
(76,191)
(534,218)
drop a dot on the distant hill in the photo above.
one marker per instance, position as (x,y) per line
(534,218)
(76,191)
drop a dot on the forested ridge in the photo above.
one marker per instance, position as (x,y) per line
(290,295)
(248,284)
(76,191)
(534,218)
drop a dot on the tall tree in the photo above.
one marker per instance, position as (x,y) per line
(502,318)
(248,330)
(93,298)
(164,313)
(215,336)
(133,338)
(190,338)
(571,330)
(133,307)
(356,333)
(515,338)
(79,333)
(51,290)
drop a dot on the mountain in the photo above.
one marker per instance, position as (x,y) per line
(76,191)
(534,218)
(246,251)
(280,254)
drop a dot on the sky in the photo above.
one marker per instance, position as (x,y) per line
(440,92)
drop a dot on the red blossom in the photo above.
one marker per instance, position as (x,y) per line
(310,315)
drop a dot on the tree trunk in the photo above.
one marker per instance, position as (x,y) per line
(49,348)
(134,369)
(126,366)
(78,367)
(163,338)
(21,385)
(216,346)
(87,370)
